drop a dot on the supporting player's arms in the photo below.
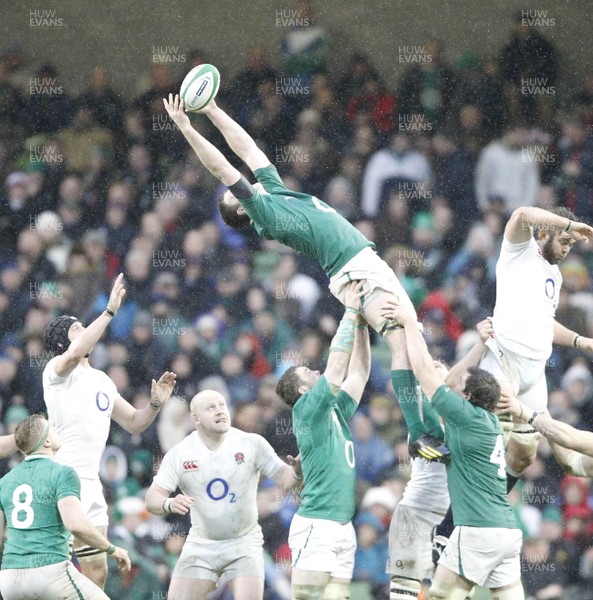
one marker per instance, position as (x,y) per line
(343,342)
(136,420)
(359,367)
(566,337)
(418,354)
(573,462)
(472,358)
(158,501)
(208,154)
(78,525)
(519,227)
(241,143)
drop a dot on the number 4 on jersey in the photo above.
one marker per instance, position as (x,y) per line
(497,457)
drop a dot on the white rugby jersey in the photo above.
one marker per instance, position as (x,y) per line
(222,482)
(79,407)
(527,292)
(427,488)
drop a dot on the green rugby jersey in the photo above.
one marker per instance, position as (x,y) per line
(29,496)
(303,222)
(476,475)
(327,453)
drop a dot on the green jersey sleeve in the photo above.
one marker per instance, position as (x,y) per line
(270,179)
(346,404)
(452,407)
(68,484)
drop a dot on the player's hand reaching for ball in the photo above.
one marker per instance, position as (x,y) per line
(174,106)
(122,558)
(117,294)
(161,390)
(181,504)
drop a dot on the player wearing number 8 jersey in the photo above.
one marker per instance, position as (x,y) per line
(40,507)
(485,546)
(322,539)
(217,468)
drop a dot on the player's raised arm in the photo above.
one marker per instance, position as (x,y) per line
(359,367)
(343,342)
(566,337)
(208,154)
(519,227)
(82,344)
(418,354)
(241,143)
(136,420)
(472,358)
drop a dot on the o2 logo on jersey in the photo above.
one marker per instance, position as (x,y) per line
(218,489)
(550,287)
(102,401)
(190,465)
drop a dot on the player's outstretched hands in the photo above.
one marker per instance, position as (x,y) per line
(581,232)
(354,293)
(117,294)
(176,111)
(181,504)
(161,390)
(485,329)
(395,311)
(122,558)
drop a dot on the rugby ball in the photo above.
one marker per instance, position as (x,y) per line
(199,87)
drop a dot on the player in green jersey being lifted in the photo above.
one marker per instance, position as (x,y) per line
(485,546)
(40,506)
(302,222)
(322,539)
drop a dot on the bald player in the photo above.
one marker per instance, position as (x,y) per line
(217,469)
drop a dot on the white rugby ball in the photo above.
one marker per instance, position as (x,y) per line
(199,87)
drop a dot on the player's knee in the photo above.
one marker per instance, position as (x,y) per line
(307,592)
(511,593)
(93,566)
(403,589)
(336,591)
(522,450)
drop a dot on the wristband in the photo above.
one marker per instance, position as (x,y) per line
(109,312)
(111,549)
(575,340)
(167,505)
(296,476)
(568,226)
(155,405)
(534,416)
(354,311)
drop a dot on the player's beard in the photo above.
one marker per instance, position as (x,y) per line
(548,252)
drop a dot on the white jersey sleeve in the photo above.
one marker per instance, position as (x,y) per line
(168,474)
(527,294)
(268,462)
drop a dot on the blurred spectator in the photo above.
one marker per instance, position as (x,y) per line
(529,66)
(371,554)
(50,107)
(542,578)
(507,171)
(104,103)
(396,161)
(426,88)
(373,455)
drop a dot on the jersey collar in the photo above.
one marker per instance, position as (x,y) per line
(34,456)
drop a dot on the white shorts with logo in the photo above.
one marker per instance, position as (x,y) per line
(486,556)
(526,375)
(93,502)
(368,265)
(209,559)
(60,581)
(322,545)
(410,545)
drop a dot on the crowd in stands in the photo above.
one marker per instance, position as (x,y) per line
(430,170)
